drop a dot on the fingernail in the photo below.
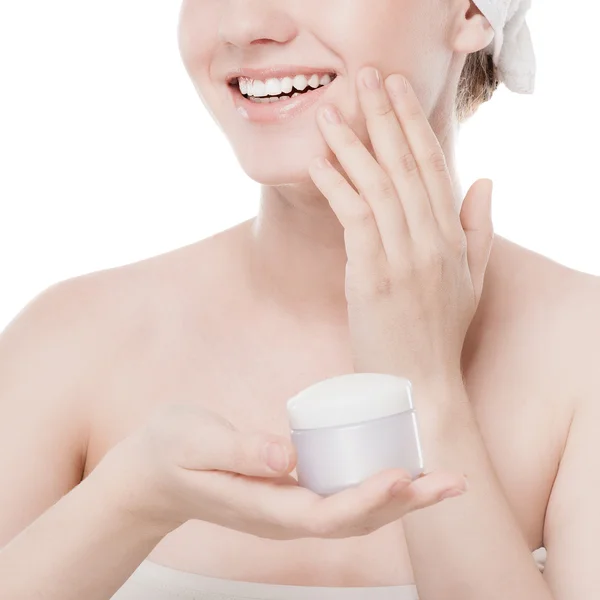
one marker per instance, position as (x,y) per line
(332,115)
(452,494)
(276,457)
(397,84)
(371,78)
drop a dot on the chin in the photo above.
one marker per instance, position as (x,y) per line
(279,166)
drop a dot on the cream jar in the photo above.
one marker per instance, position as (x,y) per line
(349,427)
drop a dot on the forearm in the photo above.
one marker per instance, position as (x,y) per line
(85,546)
(469,547)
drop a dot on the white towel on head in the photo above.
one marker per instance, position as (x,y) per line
(511,47)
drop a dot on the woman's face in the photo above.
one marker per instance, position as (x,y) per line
(397,36)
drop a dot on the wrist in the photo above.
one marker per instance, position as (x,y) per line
(441,406)
(122,484)
(445,389)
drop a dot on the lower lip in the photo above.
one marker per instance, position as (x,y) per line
(276,112)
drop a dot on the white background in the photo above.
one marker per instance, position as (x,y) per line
(107,156)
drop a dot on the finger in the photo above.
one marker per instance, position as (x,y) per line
(263,506)
(290,512)
(217,447)
(351,511)
(361,234)
(427,152)
(382,499)
(395,155)
(270,508)
(430,489)
(369,178)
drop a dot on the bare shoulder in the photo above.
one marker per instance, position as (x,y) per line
(554,309)
(69,331)
(59,357)
(50,353)
(540,283)
(46,339)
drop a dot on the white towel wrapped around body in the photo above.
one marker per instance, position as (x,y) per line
(511,48)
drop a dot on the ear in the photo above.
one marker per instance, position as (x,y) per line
(472,31)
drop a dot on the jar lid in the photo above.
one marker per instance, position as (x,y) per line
(348,399)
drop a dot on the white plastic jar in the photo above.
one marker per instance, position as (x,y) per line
(347,428)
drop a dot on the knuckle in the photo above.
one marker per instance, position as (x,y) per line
(319,527)
(361,214)
(352,142)
(377,288)
(437,160)
(386,187)
(237,454)
(364,528)
(383,109)
(380,186)
(339,182)
(408,163)
(383,286)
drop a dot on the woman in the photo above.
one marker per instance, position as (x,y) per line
(148,383)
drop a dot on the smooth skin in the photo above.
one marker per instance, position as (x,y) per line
(241,321)
(414,280)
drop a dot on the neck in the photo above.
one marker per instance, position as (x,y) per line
(296,246)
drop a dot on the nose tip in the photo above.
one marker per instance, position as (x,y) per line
(247,23)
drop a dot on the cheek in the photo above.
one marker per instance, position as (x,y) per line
(394,34)
(197,34)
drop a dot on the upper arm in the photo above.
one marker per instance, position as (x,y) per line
(572,525)
(42,418)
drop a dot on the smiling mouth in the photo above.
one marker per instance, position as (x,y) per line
(267,99)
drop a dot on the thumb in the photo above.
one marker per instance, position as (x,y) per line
(253,454)
(476,221)
(211,443)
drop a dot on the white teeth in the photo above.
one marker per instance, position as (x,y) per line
(259,89)
(275,87)
(267,100)
(300,82)
(314,81)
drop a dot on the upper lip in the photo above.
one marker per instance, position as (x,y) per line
(276,72)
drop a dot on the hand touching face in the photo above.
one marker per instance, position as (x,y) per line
(409,36)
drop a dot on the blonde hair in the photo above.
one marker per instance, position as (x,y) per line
(478,82)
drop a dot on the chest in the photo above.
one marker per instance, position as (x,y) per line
(247,377)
